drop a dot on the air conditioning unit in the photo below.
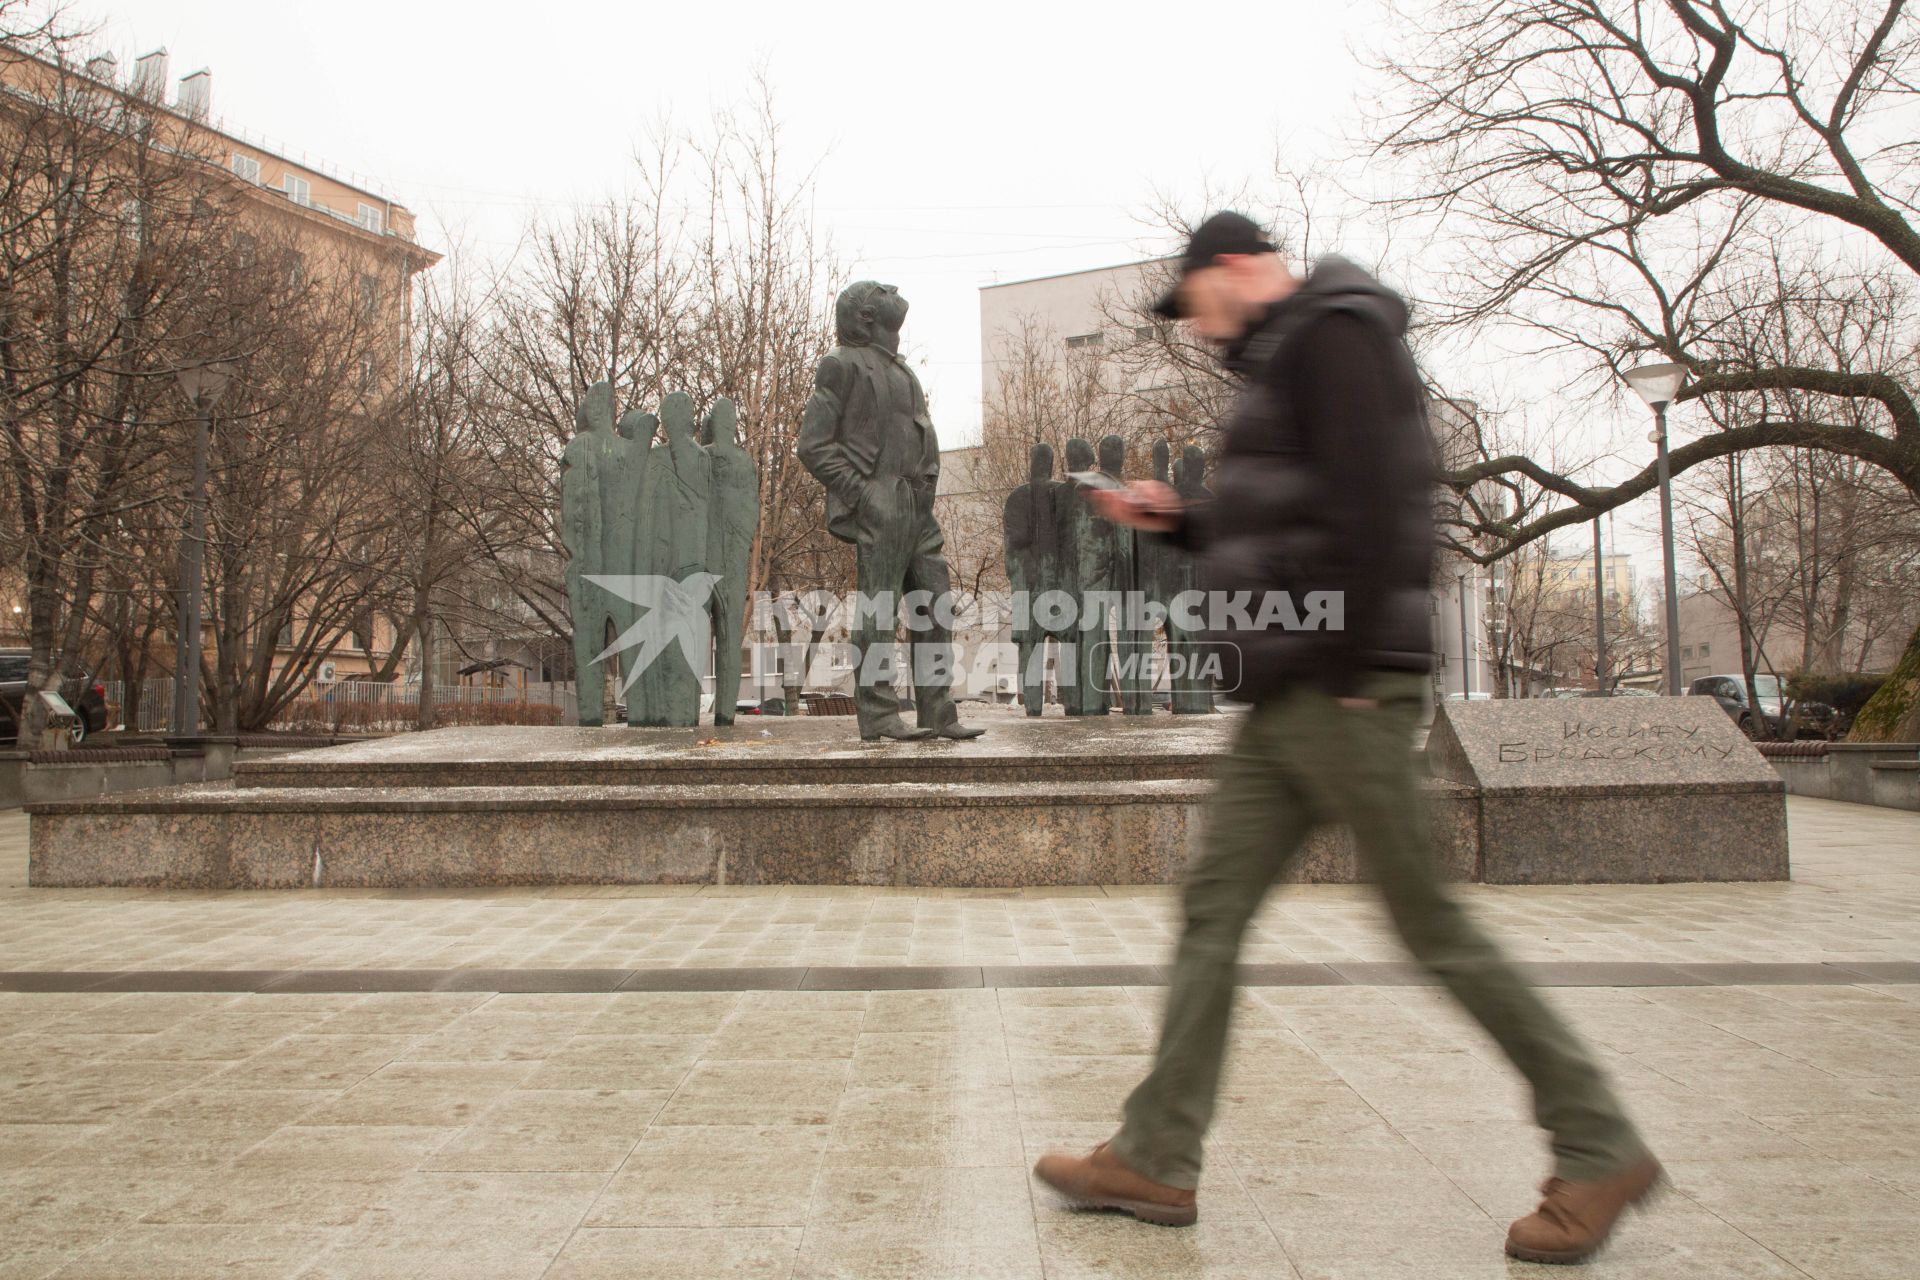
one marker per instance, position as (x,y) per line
(328,673)
(1006,684)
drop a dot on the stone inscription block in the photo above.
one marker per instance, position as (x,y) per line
(1594,743)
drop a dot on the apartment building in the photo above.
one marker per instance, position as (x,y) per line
(339,224)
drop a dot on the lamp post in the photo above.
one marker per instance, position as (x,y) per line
(1658,384)
(1466,656)
(203,384)
(1599,614)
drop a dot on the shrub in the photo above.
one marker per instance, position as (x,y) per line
(400,715)
(1846,692)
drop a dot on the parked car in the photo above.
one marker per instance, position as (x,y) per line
(1784,718)
(83,693)
(760,707)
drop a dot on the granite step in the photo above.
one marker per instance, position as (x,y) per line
(773,751)
(953,834)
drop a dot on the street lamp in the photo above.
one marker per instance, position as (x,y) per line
(1599,614)
(202,384)
(1466,659)
(1658,384)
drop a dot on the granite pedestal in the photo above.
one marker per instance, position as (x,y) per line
(1604,790)
(801,801)
(772,801)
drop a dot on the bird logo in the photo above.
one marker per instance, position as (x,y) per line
(672,611)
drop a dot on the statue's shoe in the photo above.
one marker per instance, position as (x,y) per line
(897,729)
(959,732)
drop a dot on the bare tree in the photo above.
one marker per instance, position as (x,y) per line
(1044,392)
(298,529)
(711,278)
(1633,178)
(439,483)
(108,217)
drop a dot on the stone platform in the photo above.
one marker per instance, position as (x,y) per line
(1036,802)
(766,801)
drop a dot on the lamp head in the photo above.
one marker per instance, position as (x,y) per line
(1657,384)
(203,382)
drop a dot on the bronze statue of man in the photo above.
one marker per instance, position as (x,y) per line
(867,436)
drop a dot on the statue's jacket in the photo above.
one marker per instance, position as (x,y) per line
(844,432)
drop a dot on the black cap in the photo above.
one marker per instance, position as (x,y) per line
(1226,232)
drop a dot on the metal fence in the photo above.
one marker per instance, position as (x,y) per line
(361,706)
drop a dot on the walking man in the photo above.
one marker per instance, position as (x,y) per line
(1324,486)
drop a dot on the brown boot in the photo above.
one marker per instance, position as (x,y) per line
(1099,1181)
(1575,1218)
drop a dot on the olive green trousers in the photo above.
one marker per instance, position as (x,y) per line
(1298,761)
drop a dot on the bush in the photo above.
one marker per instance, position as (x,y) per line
(1846,693)
(321,716)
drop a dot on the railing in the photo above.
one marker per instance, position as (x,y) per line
(154,713)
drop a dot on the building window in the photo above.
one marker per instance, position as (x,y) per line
(372,219)
(369,296)
(246,168)
(1686,651)
(1705,650)
(1083,341)
(243,249)
(366,373)
(296,270)
(298,190)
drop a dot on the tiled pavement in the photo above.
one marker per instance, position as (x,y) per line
(1367,1132)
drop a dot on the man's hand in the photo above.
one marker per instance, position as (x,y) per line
(1143,504)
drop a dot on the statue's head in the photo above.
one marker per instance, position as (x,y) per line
(1079,455)
(1193,468)
(638,426)
(1162,454)
(595,410)
(1040,462)
(722,420)
(1113,455)
(676,416)
(868,314)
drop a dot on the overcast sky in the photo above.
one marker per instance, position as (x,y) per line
(955,146)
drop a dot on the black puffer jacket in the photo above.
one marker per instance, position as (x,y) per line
(1323,482)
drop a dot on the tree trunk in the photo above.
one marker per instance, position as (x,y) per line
(1742,615)
(42,600)
(425,636)
(1893,714)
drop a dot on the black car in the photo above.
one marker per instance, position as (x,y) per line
(83,693)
